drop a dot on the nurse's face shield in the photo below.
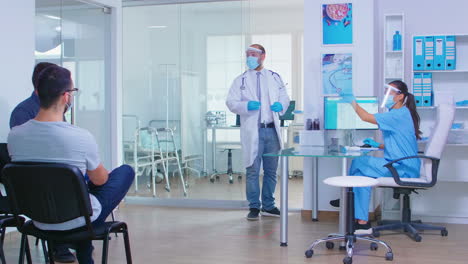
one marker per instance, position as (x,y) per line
(253,52)
(389,90)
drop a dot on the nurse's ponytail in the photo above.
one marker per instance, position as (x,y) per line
(410,104)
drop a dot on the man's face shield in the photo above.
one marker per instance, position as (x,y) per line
(253,52)
(390,92)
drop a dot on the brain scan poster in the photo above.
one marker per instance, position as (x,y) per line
(337,22)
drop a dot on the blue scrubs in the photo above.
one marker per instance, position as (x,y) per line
(400,141)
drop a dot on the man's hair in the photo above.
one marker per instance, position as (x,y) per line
(52,83)
(260,47)
(37,70)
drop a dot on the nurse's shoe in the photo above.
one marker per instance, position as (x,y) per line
(253,214)
(335,203)
(273,212)
(362,229)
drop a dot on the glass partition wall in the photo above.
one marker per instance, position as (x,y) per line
(179,61)
(75,35)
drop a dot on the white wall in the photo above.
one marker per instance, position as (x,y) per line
(17,54)
(446,202)
(363,80)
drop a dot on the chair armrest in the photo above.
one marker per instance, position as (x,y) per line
(396,176)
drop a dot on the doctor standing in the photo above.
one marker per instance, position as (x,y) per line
(259,96)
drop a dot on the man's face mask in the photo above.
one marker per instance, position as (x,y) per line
(253,57)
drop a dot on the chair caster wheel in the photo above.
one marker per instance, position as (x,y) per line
(374,246)
(376,234)
(231,181)
(212,180)
(217,177)
(444,233)
(389,256)
(309,253)
(417,238)
(330,245)
(347,260)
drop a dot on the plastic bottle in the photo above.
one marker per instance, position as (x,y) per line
(316,124)
(309,124)
(397,41)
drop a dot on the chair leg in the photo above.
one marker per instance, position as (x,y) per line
(50,246)
(105,249)
(2,253)
(427,227)
(21,255)
(28,251)
(37,241)
(44,251)
(128,253)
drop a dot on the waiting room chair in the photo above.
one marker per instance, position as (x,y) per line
(53,193)
(427,179)
(6,218)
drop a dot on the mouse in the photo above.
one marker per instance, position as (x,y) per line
(366,146)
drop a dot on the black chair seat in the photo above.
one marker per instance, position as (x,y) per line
(78,234)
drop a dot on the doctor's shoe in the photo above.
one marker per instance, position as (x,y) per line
(362,229)
(253,214)
(273,212)
(335,203)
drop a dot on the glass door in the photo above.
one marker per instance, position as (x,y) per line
(76,35)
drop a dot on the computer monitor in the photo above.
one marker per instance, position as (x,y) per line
(341,115)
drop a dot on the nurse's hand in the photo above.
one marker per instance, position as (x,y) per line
(347,97)
(253,105)
(371,142)
(276,107)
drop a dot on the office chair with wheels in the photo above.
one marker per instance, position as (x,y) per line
(54,193)
(427,179)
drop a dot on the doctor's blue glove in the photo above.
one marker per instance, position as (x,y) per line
(371,142)
(347,96)
(276,107)
(253,105)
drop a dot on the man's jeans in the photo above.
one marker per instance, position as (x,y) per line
(267,143)
(109,195)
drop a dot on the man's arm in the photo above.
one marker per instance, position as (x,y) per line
(99,176)
(19,116)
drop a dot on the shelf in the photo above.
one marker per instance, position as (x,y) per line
(394,51)
(435,107)
(395,78)
(447,145)
(446,71)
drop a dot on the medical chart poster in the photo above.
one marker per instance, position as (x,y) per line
(337,23)
(337,73)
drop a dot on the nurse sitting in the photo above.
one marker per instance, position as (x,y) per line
(400,130)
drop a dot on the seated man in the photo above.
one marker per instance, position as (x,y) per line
(47,138)
(23,112)
(29,108)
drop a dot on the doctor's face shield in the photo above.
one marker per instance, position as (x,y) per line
(254,57)
(390,93)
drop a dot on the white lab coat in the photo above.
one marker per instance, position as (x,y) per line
(243,90)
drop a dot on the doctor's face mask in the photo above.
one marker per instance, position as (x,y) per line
(254,58)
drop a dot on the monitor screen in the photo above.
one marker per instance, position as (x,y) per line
(341,115)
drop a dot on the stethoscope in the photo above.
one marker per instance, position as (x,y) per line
(281,86)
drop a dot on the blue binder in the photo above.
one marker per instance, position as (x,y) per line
(450,53)
(428,53)
(439,59)
(417,88)
(418,53)
(427,89)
